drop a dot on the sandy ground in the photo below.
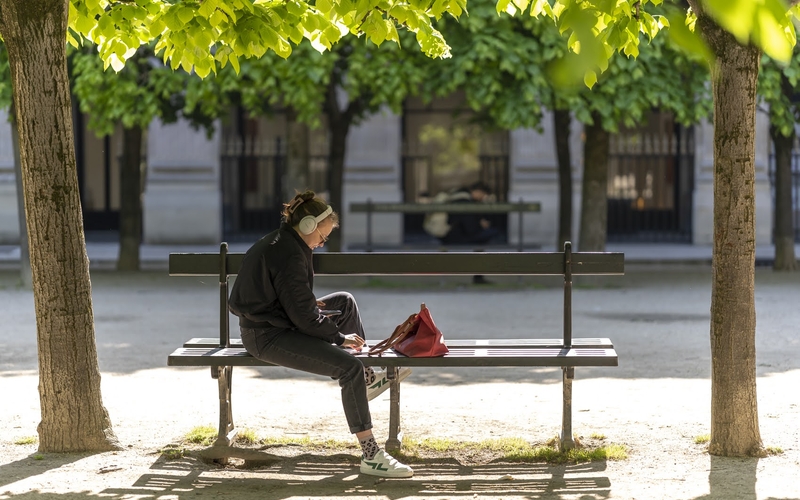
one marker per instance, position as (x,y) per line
(656,402)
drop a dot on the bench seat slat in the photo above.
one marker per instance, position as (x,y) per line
(492,356)
(421,263)
(453,343)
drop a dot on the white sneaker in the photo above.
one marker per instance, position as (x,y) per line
(385,465)
(381,381)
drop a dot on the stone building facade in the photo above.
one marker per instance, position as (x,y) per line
(183,200)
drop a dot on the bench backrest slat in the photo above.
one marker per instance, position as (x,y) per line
(425,208)
(425,263)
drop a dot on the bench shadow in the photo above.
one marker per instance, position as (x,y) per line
(310,475)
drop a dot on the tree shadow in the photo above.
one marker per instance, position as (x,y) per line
(35,464)
(731,477)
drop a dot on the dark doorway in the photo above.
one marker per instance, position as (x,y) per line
(651,182)
(98,162)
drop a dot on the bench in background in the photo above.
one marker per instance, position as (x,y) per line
(371,207)
(222,354)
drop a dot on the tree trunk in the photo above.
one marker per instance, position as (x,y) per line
(73,416)
(338,147)
(130,210)
(25,277)
(296,176)
(785,259)
(734,411)
(338,126)
(594,203)
(561,124)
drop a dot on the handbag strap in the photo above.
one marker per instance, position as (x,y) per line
(397,336)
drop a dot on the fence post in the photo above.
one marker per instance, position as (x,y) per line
(369,224)
(520,206)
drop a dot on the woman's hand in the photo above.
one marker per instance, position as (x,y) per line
(320,304)
(354,341)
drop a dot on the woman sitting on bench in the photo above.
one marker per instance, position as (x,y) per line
(281,321)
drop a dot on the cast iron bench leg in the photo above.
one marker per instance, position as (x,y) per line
(395,433)
(567,442)
(223,374)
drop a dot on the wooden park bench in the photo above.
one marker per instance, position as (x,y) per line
(566,352)
(370,207)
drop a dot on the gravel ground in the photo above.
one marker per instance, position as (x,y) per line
(656,402)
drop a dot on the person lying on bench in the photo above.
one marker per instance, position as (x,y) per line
(281,321)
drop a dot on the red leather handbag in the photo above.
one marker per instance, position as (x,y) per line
(416,337)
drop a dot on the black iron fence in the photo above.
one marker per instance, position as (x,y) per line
(650,186)
(795,186)
(251,174)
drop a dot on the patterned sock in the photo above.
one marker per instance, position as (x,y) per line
(369,375)
(369,447)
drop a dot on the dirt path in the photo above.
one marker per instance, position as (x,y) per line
(656,402)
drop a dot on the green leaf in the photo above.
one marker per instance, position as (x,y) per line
(217,18)
(771,36)
(71,40)
(590,78)
(234,63)
(207,8)
(736,16)
(375,28)
(185,14)
(295,8)
(687,39)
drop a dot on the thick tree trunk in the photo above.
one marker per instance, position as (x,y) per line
(73,416)
(130,210)
(594,203)
(561,124)
(734,410)
(785,259)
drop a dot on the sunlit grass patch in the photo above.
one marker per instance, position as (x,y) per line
(774,450)
(702,439)
(305,441)
(26,440)
(246,437)
(513,450)
(203,435)
(173,452)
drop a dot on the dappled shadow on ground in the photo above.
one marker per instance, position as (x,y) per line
(336,476)
(33,465)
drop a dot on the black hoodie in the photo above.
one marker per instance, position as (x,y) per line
(274,288)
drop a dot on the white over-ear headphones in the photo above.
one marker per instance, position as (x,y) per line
(308,224)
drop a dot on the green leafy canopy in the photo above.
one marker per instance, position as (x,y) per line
(201,35)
